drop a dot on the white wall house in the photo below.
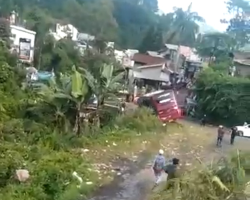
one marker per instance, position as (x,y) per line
(23,42)
(63,31)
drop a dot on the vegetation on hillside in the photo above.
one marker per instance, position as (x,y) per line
(42,129)
(223,98)
(37,133)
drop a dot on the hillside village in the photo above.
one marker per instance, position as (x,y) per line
(91,90)
(151,65)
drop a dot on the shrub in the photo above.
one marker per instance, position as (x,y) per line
(224,99)
(50,171)
(140,120)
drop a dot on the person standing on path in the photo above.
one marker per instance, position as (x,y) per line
(158,166)
(204,120)
(233,135)
(220,135)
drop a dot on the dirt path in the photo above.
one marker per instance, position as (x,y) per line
(135,178)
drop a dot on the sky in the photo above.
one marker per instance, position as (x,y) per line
(212,11)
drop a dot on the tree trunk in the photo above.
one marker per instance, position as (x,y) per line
(77,129)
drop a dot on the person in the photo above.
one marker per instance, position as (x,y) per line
(245,123)
(220,135)
(158,166)
(204,120)
(172,171)
(172,168)
(233,135)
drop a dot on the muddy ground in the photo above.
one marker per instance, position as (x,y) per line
(134,178)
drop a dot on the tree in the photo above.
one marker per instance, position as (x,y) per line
(5,31)
(238,25)
(40,22)
(184,27)
(217,45)
(62,95)
(103,85)
(133,20)
(223,98)
(6,8)
(150,5)
(153,39)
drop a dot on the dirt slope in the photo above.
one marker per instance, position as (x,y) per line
(135,179)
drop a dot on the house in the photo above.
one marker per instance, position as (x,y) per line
(242,63)
(23,43)
(64,31)
(154,53)
(131,52)
(178,55)
(150,70)
(154,72)
(22,39)
(144,59)
(85,37)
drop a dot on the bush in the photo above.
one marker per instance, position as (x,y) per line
(51,158)
(221,67)
(223,99)
(141,120)
(50,171)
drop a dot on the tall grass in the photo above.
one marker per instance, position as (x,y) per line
(223,180)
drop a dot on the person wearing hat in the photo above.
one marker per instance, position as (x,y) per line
(220,135)
(158,166)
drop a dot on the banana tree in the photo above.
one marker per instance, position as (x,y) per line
(66,93)
(103,85)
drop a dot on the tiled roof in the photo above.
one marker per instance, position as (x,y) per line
(147,59)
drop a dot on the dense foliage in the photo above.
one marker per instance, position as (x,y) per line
(124,21)
(43,129)
(223,98)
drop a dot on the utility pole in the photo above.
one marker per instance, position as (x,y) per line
(176,65)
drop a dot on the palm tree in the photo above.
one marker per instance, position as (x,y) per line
(184,27)
(103,84)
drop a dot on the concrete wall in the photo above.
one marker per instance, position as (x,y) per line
(244,70)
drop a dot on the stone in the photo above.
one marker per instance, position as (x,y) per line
(22,175)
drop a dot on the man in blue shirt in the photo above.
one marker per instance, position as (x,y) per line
(158,166)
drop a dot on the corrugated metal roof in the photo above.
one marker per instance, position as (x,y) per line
(154,53)
(157,76)
(147,59)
